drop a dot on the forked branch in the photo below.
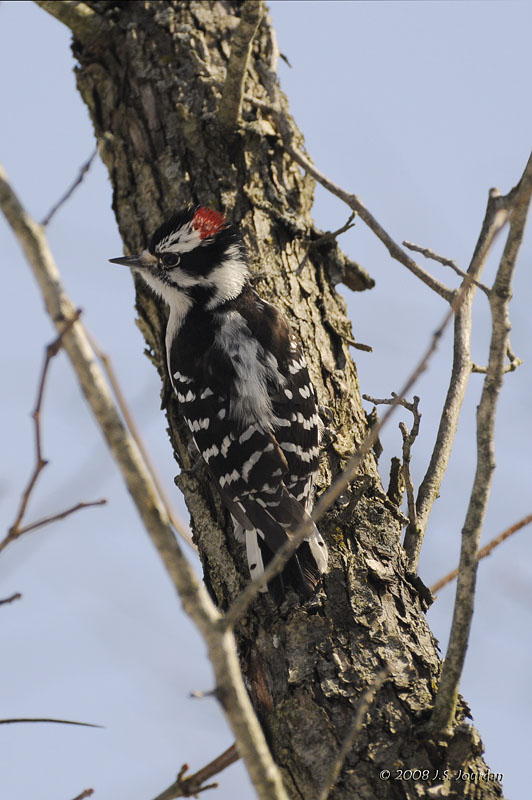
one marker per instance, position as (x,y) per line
(495,217)
(447,262)
(517,203)
(17,529)
(192,785)
(409,437)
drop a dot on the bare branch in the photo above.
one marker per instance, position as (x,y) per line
(11,598)
(60,515)
(447,262)
(173,516)
(366,348)
(49,719)
(514,360)
(329,236)
(194,596)
(408,440)
(351,200)
(495,217)
(390,401)
(478,370)
(366,699)
(84,794)
(230,108)
(446,698)
(16,530)
(357,205)
(194,784)
(82,20)
(69,192)
(51,351)
(513,363)
(484,551)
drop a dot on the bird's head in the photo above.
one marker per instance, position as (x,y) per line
(195,252)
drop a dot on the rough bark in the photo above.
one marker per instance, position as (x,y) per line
(151,74)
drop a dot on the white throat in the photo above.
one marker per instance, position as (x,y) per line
(228,278)
(178,302)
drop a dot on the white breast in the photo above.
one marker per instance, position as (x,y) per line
(254,368)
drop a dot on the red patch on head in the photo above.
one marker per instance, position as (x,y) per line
(208,222)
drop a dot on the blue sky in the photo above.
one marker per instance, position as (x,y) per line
(419,108)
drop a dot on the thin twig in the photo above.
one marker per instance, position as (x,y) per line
(16,528)
(192,785)
(329,236)
(56,517)
(196,602)
(366,348)
(366,699)
(513,362)
(447,262)
(358,206)
(11,598)
(390,401)
(70,191)
(173,516)
(230,108)
(84,794)
(409,437)
(51,350)
(447,696)
(495,217)
(484,551)
(478,370)
(49,719)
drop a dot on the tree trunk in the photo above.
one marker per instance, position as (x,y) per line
(151,74)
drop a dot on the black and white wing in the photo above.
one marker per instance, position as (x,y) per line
(262,451)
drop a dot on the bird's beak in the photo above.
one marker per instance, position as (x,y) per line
(143,260)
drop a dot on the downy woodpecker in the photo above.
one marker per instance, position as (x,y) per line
(242,383)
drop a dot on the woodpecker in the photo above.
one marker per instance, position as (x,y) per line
(242,383)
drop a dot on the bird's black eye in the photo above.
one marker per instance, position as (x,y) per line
(170,260)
